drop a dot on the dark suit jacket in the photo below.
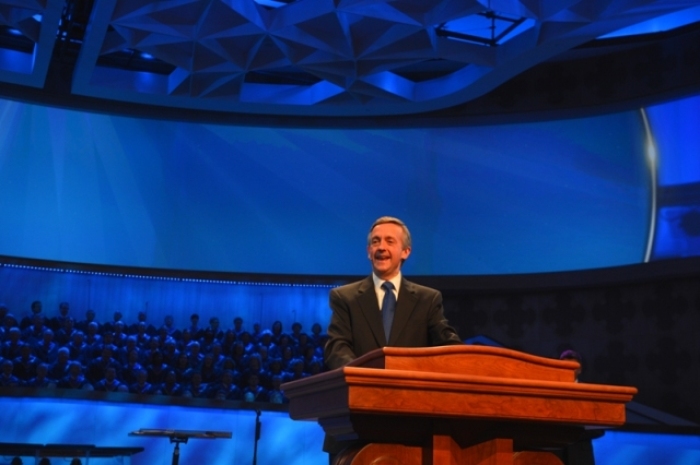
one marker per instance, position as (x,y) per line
(356,323)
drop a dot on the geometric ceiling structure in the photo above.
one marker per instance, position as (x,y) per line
(305,57)
(29,31)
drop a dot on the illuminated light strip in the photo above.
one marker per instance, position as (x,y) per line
(653,163)
(163,278)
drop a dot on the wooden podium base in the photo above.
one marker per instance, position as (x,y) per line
(456,405)
(444,451)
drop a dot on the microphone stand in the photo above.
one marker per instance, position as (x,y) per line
(176,452)
(257,437)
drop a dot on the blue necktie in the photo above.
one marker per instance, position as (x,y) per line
(388,307)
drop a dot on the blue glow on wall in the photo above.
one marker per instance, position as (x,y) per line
(534,197)
(253,302)
(622,448)
(108,424)
(659,24)
(675,128)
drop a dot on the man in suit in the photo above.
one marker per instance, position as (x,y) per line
(360,321)
(360,324)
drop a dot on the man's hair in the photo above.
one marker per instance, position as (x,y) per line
(396,221)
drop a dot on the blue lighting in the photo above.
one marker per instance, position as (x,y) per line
(164,194)
(674,126)
(616,448)
(660,24)
(108,424)
(487,29)
(271,3)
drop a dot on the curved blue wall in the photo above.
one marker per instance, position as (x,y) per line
(94,188)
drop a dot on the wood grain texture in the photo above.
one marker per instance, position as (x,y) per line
(470,360)
(457,405)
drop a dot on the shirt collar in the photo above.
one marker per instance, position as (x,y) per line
(396,281)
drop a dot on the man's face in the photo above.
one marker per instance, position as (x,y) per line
(386,250)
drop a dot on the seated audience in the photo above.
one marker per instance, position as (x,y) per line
(25,365)
(34,333)
(75,379)
(4,310)
(214,326)
(207,340)
(7,379)
(9,321)
(275,394)
(210,375)
(237,325)
(41,380)
(227,343)
(224,365)
(157,370)
(82,325)
(132,367)
(98,367)
(169,327)
(110,383)
(142,386)
(253,392)
(28,320)
(109,326)
(78,349)
(170,387)
(148,329)
(58,321)
(227,388)
(196,388)
(12,347)
(92,336)
(64,334)
(182,369)
(122,354)
(194,356)
(194,328)
(47,349)
(141,335)
(119,336)
(59,368)
(295,370)
(170,352)
(276,331)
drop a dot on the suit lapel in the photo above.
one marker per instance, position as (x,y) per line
(404,308)
(367,299)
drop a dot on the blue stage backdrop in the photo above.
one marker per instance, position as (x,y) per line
(536,197)
(675,126)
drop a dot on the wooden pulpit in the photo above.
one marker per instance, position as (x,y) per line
(455,405)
